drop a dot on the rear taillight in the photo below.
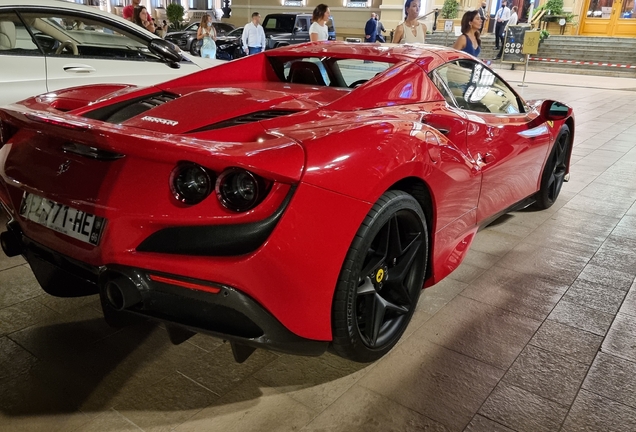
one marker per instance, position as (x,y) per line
(240,190)
(7,130)
(191,183)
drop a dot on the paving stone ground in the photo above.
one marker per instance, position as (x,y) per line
(536,331)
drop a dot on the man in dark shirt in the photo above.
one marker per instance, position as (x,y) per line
(371,29)
(482,14)
(379,37)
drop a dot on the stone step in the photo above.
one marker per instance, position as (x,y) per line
(599,71)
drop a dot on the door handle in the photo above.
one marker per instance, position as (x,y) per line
(79,68)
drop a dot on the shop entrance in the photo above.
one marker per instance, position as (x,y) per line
(609,18)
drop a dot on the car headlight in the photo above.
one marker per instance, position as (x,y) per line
(223,46)
(191,183)
(239,189)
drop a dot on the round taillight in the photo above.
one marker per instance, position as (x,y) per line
(191,183)
(239,190)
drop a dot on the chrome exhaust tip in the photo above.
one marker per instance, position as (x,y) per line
(121,293)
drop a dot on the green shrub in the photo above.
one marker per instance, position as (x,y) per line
(450,9)
(175,12)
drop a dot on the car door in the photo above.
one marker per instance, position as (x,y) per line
(301,29)
(22,63)
(90,49)
(501,136)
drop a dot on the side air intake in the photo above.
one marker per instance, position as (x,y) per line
(120,112)
(244,119)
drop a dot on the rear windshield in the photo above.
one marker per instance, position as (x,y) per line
(280,23)
(327,71)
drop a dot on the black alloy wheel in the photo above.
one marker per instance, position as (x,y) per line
(380,282)
(555,168)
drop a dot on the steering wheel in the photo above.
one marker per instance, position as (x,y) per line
(357,83)
(67,45)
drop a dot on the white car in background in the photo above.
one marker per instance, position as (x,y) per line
(47,45)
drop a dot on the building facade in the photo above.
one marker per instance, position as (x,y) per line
(592,17)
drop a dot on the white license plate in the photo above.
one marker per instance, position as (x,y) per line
(62,218)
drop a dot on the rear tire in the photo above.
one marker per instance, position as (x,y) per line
(554,172)
(381,279)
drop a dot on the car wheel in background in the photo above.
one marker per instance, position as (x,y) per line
(238,53)
(554,172)
(195,49)
(381,279)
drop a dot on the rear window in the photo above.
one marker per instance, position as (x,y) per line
(327,71)
(280,23)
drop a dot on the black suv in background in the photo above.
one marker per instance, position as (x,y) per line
(283,29)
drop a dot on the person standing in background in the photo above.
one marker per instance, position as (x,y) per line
(469,41)
(371,29)
(502,16)
(141,18)
(379,37)
(410,30)
(207,33)
(127,13)
(512,21)
(253,35)
(318,30)
(482,15)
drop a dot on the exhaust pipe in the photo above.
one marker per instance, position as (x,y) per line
(11,244)
(121,293)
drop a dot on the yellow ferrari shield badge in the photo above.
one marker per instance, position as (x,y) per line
(379,275)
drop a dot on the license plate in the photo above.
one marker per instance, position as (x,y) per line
(62,218)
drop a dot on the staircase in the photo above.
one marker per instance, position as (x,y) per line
(581,49)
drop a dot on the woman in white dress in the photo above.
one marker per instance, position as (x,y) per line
(207,32)
(318,30)
(411,30)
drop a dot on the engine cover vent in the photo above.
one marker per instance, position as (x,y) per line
(245,119)
(120,112)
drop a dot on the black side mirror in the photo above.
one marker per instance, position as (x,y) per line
(167,51)
(551,110)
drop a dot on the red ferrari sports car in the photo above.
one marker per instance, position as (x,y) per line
(295,200)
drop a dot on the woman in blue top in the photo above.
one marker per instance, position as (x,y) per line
(469,41)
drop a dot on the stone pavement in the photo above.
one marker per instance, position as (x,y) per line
(536,331)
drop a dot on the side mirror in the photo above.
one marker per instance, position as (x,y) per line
(167,51)
(551,110)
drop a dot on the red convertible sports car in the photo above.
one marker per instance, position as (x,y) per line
(295,200)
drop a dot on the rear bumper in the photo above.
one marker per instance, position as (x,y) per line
(224,311)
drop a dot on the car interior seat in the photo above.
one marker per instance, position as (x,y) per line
(304,72)
(7,35)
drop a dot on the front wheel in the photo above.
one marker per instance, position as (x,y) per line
(195,48)
(381,279)
(554,172)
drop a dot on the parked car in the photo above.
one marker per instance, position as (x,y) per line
(46,45)
(230,46)
(282,29)
(186,39)
(294,199)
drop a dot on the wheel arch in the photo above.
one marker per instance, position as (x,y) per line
(420,190)
(569,122)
